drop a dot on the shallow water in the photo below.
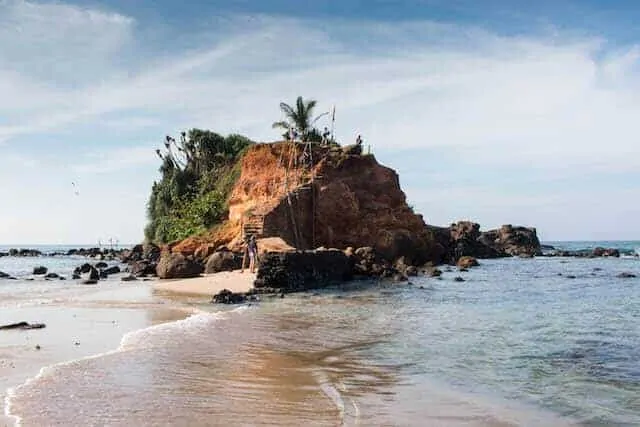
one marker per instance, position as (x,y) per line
(517,343)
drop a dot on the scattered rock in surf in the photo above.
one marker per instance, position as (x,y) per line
(38,347)
(22,326)
(225,296)
(570,276)
(129,278)
(467,262)
(597,269)
(52,276)
(458,279)
(626,275)
(101,265)
(433,272)
(77,343)
(89,282)
(40,270)
(4,275)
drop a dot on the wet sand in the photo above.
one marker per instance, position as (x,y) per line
(208,285)
(75,329)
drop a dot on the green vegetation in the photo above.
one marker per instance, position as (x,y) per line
(198,173)
(301,119)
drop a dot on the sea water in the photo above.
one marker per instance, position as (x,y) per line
(523,342)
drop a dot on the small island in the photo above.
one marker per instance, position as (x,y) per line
(322,213)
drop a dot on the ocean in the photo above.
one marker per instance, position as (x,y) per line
(519,342)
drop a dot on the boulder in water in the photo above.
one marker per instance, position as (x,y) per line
(40,270)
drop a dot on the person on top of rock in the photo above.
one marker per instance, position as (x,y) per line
(359,140)
(325,136)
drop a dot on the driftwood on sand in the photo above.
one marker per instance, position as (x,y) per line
(22,325)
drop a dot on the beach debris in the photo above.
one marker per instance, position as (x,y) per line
(22,326)
(626,275)
(40,270)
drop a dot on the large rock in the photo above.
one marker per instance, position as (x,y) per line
(223,261)
(298,271)
(177,266)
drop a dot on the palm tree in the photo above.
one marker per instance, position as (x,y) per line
(300,117)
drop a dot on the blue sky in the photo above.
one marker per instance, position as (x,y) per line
(496,111)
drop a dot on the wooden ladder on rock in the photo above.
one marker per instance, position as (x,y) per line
(253,225)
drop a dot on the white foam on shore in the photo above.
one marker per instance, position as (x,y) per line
(130,341)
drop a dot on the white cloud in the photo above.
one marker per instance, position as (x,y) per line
(549,103)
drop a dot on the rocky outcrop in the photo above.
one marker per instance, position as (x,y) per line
(177,266)
(352,201)
(466,239)
(513,241)
(302,270)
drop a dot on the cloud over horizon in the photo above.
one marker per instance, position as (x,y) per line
(534,128)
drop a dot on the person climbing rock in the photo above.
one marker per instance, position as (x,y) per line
(252,249)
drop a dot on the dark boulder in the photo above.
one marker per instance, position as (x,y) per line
(223,261)
(101,264)
(129,278)
(143,268)
(40,270)
(458,279)
(52,276)
(111,270)
(302,270)
(89,282)
(4,275)
(177,266)
(225,296)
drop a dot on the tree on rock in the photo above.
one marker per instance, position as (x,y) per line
(301,119)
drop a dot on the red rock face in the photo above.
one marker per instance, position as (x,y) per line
(352,201)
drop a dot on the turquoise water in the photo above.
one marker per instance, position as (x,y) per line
(519,342)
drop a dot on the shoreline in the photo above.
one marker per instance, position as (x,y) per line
(208,285)
(89,327)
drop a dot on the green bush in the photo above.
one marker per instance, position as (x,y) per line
(198,172)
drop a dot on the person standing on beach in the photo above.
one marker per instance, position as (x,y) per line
(252,248)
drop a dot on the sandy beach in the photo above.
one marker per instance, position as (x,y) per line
(87,324)
(208,285)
